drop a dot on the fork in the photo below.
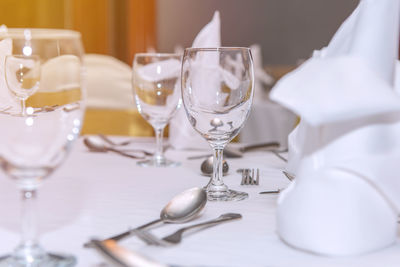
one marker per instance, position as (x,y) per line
(176,237)
(248,177)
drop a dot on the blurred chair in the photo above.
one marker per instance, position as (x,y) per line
(111,109)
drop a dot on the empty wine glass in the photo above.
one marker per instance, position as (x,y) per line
(44,70)
(217,93)
(22,73)
(156,85)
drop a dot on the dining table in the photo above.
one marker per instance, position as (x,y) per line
(99,194)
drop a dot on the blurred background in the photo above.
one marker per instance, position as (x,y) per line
(287,32)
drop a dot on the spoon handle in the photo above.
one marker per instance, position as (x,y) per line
(126,233)
(125,154)
(260,145)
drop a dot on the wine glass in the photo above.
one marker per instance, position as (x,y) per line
(156,85)
(22,75)
(44,70)
(217,93)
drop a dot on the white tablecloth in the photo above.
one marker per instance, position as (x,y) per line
(100,194)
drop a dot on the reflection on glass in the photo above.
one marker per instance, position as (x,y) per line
(217,93)
(22,74)
(156,83)
(49,83)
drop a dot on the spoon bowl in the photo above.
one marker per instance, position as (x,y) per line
(207,167)
(185,206)
(181,208)
(95,143)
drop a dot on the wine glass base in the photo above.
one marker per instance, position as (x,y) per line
(156,163)
(48,260)
(228,195)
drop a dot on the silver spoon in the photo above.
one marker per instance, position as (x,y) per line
(182,208)
(111,142)
(215,123)
(207,166)
(95,143)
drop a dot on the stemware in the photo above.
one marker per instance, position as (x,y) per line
(156,85)
(43,69)
(22,74)
(217,93)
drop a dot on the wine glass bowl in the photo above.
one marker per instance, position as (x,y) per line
(156,85)
(44,70)
(217,93)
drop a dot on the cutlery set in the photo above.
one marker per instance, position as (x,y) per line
(248,177)
(182,208)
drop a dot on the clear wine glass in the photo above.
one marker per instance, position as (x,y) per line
(217,93)
(44,70)
(156,85)
(22,75)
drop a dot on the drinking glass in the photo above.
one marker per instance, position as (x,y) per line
(22,75)
(217,93)
(43,69)
(156,85)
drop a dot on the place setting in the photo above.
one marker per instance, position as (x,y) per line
(194,151)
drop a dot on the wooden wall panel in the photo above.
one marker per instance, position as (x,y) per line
(92,19)
(32,13)
(141,27)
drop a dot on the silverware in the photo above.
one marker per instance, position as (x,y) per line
(231,152)
(207,167)
(95,143)
(182,208)
(277,153)
(288,175)
(113,143)
(248,177)
(272,191)
(176,237)
(118,255)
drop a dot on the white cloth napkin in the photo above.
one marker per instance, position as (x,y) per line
(109,82)
(346,148)
(181,133)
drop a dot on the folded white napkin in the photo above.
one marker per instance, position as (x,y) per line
(181,133)
(61,73)
(109,82)
(346,196)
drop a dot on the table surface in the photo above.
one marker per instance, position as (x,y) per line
(100,194)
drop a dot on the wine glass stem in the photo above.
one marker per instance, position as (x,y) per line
(159,155)
(23,107)
(217,168)
(28,219)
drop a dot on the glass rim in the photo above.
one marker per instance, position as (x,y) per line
(155,54)
(40,33)
(216,49)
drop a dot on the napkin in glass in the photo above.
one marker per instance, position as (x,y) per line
(181,133)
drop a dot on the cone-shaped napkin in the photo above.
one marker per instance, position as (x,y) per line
(181,133)
(346,195)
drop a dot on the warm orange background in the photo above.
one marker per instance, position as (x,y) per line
(119,28)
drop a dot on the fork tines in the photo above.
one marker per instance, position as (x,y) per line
(250,177)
